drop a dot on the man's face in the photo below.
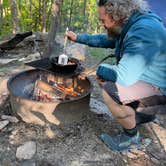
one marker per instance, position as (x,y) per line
(106,21)
(113,28)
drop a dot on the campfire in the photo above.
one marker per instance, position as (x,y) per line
(51,88)
(42,97)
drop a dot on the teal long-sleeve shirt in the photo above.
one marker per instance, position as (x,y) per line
(143,51)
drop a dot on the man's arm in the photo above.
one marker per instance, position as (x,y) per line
(98,40)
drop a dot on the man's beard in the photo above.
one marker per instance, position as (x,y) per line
(114,31)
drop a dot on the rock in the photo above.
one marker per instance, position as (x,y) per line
(10,118)
(160,133)
(6,61)
(77,51)
(99,107)
(3,124)
(155,161)
(138,152)
(26,151)
(31,57)
(22,59)
(28,163)
(3,85)
(147,142)
(5,94)
(131,155)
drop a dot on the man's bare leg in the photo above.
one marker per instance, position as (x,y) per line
(126,117)
(124,114)
(114,95)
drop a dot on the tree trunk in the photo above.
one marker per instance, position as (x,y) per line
(40,13)
(30,12)
(64,21)
(84,11)
(71,12)
(1,14)
(55,17)
(30,9)
(14,13)
(44,16)
(85,24)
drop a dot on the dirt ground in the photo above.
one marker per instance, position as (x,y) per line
(76,144)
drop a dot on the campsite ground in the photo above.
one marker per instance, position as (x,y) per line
(76,144)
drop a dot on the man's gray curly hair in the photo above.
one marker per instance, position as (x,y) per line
(123,9)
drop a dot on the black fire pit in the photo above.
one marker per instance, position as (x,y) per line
(62,109)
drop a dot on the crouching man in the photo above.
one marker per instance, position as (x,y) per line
(139,38)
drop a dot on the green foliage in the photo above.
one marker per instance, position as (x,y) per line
(100,53)
(79,15)
(6,22)
(29,16)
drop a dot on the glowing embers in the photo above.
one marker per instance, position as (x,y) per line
(52,88)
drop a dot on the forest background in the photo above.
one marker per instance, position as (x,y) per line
(34,15)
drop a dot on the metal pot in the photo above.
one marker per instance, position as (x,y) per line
(69,68)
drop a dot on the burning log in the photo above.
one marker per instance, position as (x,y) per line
(44,86)
(67,91)
(43,91)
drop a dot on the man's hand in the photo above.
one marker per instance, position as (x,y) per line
(71,35)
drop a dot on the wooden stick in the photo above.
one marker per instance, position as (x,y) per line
(93,68)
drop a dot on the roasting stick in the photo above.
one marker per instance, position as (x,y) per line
(65,41)
(93,68)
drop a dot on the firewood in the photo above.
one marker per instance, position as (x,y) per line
(57,88)
(44,86)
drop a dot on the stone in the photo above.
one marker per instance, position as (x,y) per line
(160,133)
(31,57)
(3,85)
(12,119)
(6,61)
(131,155)
(155,161)
(147,142)
(5,94)
(3,124)
(99,107)
(28,163)
(138,152)
(26,151)
(77,51)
